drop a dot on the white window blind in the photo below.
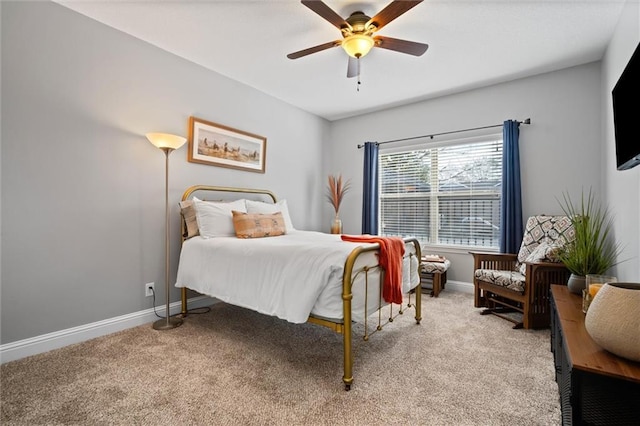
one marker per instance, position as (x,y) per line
(448,195)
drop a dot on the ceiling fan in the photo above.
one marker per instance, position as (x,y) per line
(358,33)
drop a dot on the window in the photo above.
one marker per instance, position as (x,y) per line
(444,195)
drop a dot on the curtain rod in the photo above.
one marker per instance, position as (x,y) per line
(525,121)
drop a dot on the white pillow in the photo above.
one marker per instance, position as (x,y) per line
(215,218)
(280,206)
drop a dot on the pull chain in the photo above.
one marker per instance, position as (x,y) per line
(358,85)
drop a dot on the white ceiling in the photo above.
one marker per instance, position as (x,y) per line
(472,43)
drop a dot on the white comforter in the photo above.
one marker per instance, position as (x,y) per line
(291,276)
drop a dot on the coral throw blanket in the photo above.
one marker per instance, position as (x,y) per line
(391,253)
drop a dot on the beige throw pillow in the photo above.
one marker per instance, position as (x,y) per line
(189,214)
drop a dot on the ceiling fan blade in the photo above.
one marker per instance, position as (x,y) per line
(403,46)
(314,49)
(392,11)
(353,67)
(327,13)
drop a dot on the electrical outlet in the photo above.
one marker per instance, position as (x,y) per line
(149,289)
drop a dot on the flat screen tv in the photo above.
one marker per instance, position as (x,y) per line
(626,96)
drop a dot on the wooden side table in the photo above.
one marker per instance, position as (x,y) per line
(595,386)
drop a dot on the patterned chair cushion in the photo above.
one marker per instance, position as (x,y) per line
(431,267)
(545,252)
(552,232)
(512,280)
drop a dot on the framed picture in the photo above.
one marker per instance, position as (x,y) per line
(218,145)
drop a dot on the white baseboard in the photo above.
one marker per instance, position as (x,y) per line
(459,286)
(46,342)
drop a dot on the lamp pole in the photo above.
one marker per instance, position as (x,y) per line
(168,322)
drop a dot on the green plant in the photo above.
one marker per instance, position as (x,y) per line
(592,251)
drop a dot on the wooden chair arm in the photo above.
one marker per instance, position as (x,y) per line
(494,256)
(546,265)
(496,261)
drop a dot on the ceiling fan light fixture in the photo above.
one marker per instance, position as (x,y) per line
(357,45)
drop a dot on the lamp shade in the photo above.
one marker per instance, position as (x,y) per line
(357,45)
(165,140)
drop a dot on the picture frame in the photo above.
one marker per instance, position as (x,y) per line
(217,145)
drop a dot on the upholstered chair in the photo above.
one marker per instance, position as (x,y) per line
(516,287)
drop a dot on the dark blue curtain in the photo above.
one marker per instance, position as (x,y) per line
(511,229)
(370,189)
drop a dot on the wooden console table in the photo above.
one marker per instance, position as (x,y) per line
(595,386)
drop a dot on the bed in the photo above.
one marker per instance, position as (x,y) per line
(298,276)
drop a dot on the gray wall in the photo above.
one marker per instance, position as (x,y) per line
(559,151)
(621,187)
(83,189)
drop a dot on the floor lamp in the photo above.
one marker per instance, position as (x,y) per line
(166,143)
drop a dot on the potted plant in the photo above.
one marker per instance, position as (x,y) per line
(336,190)
(592,251)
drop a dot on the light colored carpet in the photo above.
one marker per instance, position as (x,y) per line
(232,366)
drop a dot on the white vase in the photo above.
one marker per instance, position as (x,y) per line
(613,319)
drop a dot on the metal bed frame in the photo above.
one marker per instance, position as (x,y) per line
(343,327)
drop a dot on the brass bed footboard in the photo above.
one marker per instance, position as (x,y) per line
(347,295)
(343,326)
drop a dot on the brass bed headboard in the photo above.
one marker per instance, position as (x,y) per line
(189,191)
(195,188)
